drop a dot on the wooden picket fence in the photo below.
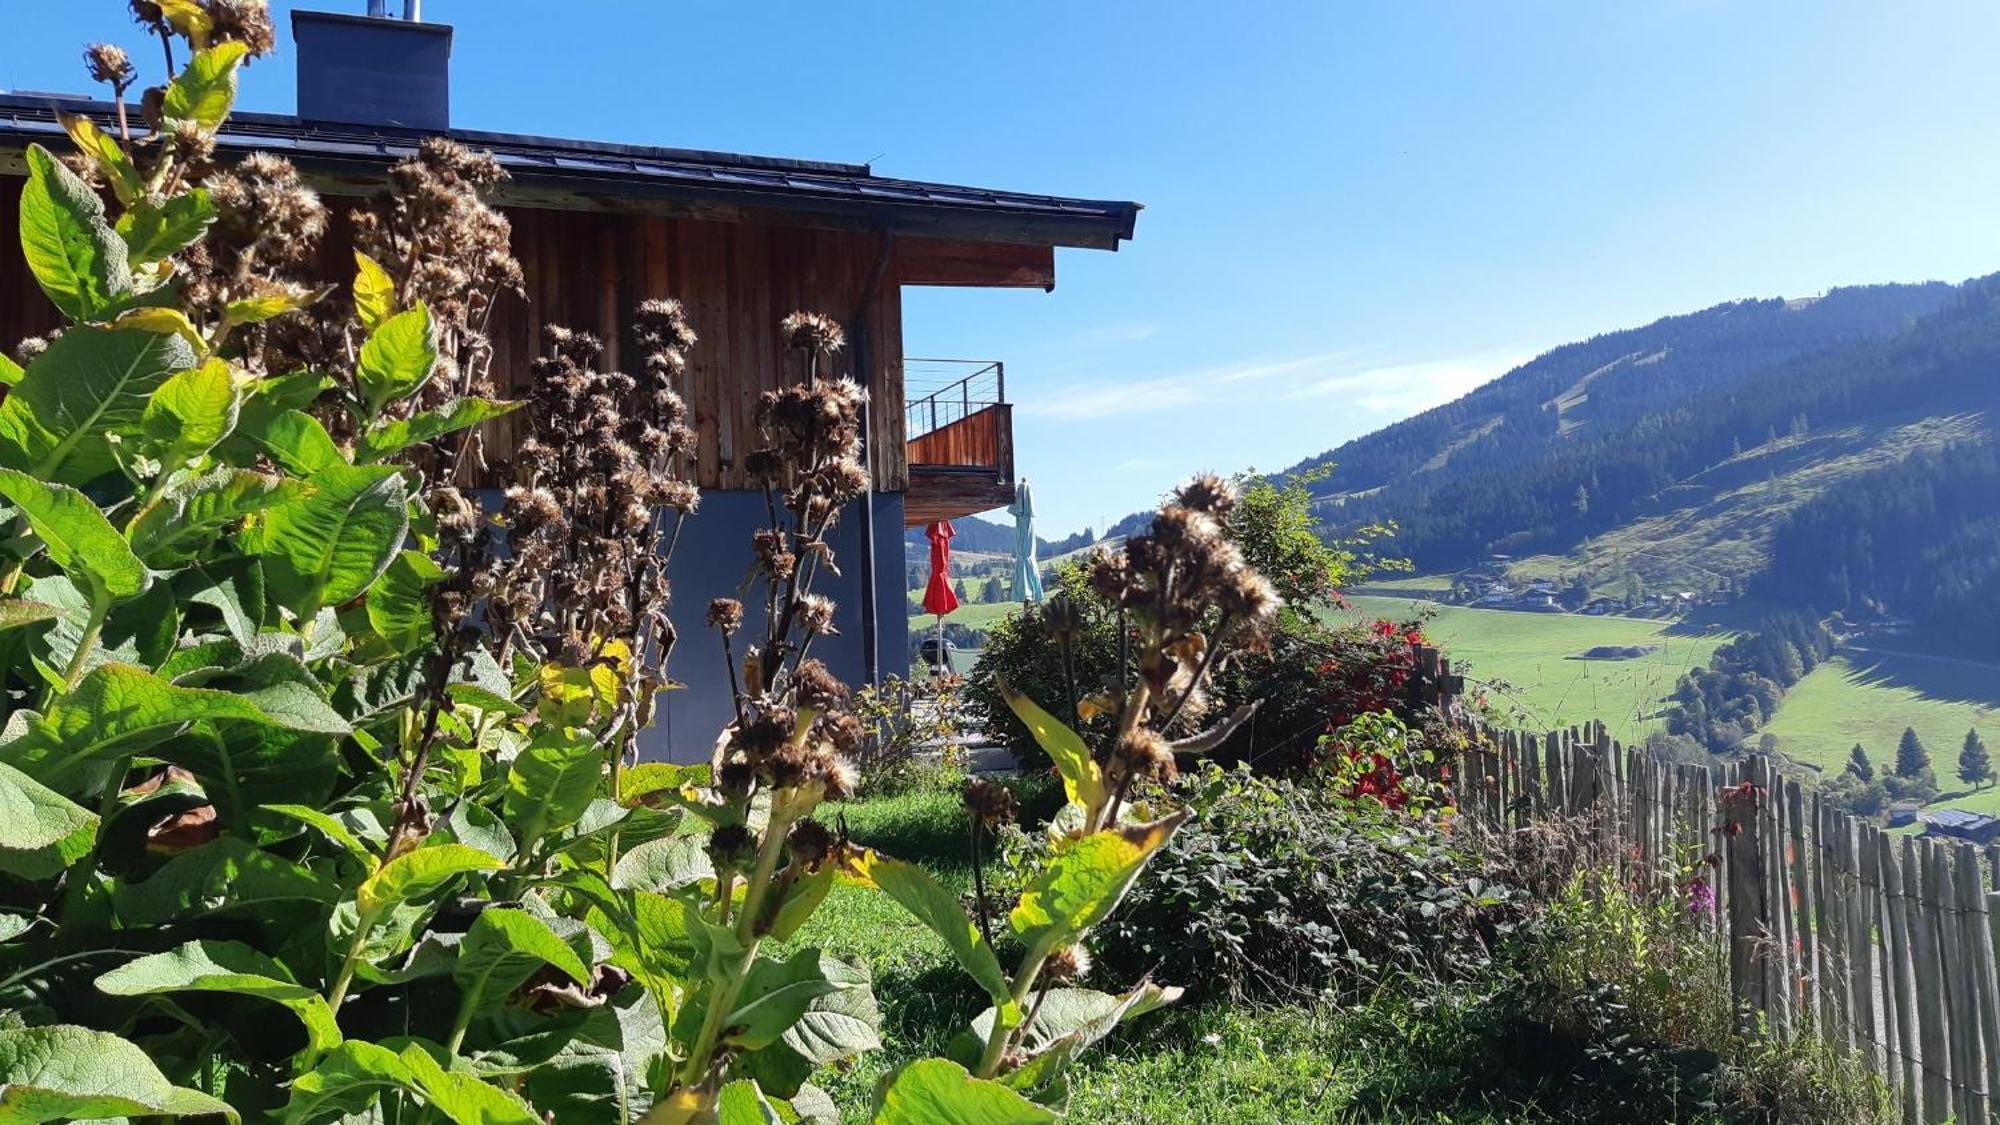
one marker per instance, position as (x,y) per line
(1879,941)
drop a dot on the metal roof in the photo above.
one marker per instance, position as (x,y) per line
(593,175)
(1956,818)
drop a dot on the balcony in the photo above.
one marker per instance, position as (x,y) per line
(961,439)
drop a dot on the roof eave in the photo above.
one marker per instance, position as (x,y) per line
(680,182)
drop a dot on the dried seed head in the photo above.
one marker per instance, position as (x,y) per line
(1067,964)
(242,21)
(816,614)
(725,614)
(1209,494)
(767,733)
(1062,616)
(732,848)
(835,774)
(989,803)
(843,730)
(810,843)
(109,64)
(813,332)
(818,688)
(1145,753)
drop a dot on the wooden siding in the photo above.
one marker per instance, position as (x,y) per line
(589,270)
(983,439)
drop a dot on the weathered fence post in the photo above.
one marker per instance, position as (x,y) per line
(1747,932)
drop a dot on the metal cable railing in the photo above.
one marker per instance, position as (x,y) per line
(938,392)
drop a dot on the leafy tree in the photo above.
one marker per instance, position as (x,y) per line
(1859,765)
(1912,759)
(1975,765)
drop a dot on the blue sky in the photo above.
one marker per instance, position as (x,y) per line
(1354,211)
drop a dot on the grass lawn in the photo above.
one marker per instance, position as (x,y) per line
(972,615)
(1207,1063)
(1530,662)
(1870,696)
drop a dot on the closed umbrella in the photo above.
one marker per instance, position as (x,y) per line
(939,597)
(1027,570)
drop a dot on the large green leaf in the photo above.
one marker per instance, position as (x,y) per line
(774,996)
(205,89)
(225,966)
(398,357)
(463,1098)
(345,1082)
(90,383)
(1065,1023)
(839,1025)
(1083,778)
(417,874)
(329,827)
(65,1073)
(387,439)
(1085,879)
(296,440)
(139,630)
(156,231)
(550,784)
(398,608)
(16,613)
(503,949)
(941,1092)
(41,831)
(328,547)
(191,412)
(79,260)
(666,864)
(193,511)
(921,895)
(227,875)
(742,1103)
(78,537)
(117,709)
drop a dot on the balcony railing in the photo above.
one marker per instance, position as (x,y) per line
(940,392)
(961,438)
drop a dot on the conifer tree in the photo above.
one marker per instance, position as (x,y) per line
(1859,765)
(1912,760)
(1975,765)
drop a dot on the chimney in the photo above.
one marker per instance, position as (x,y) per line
(374,70)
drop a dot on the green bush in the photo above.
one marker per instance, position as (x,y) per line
(1286,888)
(1307,676)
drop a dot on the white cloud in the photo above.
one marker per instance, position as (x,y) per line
(1383,389)
(1409,387)
(1086,401)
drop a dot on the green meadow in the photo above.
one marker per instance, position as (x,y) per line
(1869,696)
(1530,665)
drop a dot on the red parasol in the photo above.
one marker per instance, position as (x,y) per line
(938,596)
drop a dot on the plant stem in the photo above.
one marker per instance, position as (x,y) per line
(979,885)
(100,608)
(1024,981)
(462,1021)
(345,977)
(724,998)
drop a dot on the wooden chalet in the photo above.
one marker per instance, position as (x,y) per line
(741,241)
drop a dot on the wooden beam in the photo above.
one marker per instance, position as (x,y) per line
(949,494)
(985,265)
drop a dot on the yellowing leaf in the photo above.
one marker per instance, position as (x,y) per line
(1083,778)
(1085,880)
(107,154)
(166,322)
(374,292)
(914,889)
